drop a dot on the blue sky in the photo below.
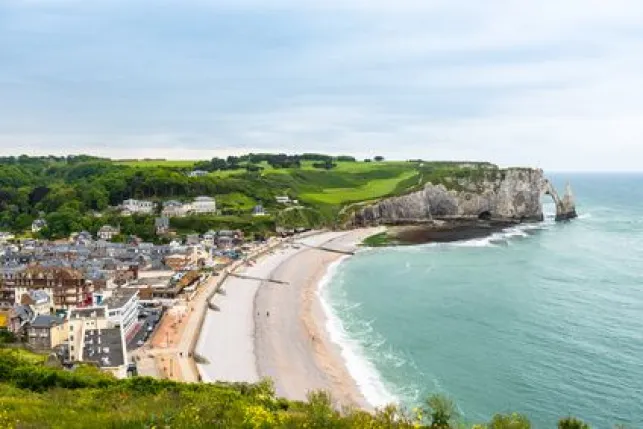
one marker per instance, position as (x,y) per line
(544,83)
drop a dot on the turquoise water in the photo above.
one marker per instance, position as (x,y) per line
(546,320)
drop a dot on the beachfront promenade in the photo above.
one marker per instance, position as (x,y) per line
(170,354)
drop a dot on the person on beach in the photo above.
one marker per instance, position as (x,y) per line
(267,314)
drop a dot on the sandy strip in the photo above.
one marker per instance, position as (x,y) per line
(227,336)
(292,345)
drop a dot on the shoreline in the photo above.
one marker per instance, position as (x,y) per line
(293,345)
(264,329)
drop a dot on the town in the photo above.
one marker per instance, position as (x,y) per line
(93,300)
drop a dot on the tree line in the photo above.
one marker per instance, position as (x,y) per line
(71,192)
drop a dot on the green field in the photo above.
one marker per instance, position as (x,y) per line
(370,190)
(155,163)
(343,167)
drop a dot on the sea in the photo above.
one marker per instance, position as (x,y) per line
(543,319)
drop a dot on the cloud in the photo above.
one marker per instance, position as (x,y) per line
(518,83)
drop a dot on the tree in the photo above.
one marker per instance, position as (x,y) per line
(572,423)
(442,410)
(22,222)
(379,158)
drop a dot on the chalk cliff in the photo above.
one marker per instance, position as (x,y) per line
(513,194)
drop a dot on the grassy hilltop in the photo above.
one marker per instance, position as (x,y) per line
(80,192)
(33,395)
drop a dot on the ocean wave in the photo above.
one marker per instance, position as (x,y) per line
(362,370)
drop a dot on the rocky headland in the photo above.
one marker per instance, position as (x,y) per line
(468,205)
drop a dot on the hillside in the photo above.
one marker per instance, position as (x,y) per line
(80,192)
(33,395)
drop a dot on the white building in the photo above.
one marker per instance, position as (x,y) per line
(198,173)
(37,225)
(122,309)
(108,232)
(202,205)
(94,338)
(174,208)
(80,320)
(284,199)
(6,236)
(138,206)
(209,238)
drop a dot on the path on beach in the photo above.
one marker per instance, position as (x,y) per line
(290,345)
(227,336)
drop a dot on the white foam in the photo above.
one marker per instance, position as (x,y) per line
(504,236)
(359,366)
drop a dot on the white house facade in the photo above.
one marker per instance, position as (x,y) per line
(122,309)
(108,232)
(203,205)
(175,209)
(138,206)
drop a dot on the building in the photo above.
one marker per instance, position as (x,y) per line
(6,236)
(39,301)
(106,348)
(122,309)
(108,232)
(162,225)
(67,286)
(93,338)
(79,321)
(138,206)
(204,205)
(175,208)
(209,238)
(7,296)
(284,199)
(258,211)
(177,261)
(46,332)
(192,239)
(20,317)
(198,173)
(37,225)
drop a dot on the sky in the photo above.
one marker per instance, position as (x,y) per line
(548,83)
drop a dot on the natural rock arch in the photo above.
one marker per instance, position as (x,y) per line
(565,207)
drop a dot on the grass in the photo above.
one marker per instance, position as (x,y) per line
(33,395)
(235,202)
(370,190)
(148,163)
(343,167)
(378,240)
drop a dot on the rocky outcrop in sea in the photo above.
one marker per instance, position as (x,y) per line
(506,195)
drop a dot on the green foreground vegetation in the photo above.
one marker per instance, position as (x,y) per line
(378,240)
(35,395)
(77,193)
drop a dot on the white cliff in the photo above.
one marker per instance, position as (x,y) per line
(510,195)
